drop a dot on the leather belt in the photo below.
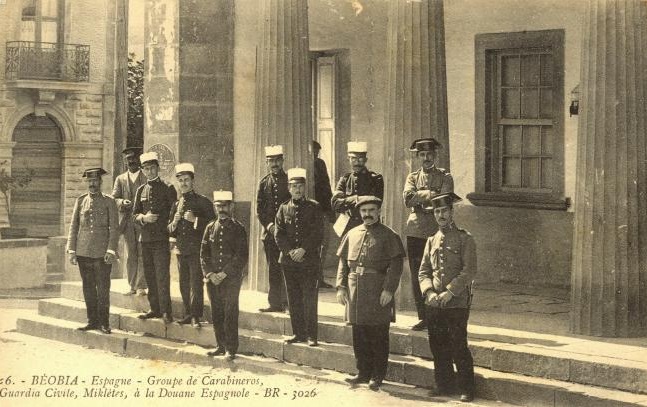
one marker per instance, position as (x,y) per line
(361,270)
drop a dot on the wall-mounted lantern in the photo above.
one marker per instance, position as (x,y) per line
(575,101)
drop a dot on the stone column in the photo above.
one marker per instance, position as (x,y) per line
(417,102)
(609,276)
(283,105)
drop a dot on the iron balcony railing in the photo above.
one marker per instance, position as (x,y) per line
(48,61)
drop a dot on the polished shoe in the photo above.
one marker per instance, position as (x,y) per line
(195,322)
(149,315)
(323,284)
(353,381)
(88,327)
(230,356)
(141,292)
(130,292)
(466,397)
(313,342)
(217,352)
(271,309)
(167,318)
(420,326)
(374,384)
(185,320)
(105,329)
(295,339)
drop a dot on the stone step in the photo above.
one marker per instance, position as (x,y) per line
(53,277)
(139,345)
(574,360)
(404,369)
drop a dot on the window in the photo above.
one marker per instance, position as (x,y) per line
(519,120)
(41,21)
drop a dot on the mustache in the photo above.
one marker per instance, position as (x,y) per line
(367,217)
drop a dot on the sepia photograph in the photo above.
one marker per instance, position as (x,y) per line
(323,203)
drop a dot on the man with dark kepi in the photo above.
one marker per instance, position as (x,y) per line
(420,188)
(446,274)
(272,192)
(124,189)
(298,233)
(189,216)
(370,266)
(359,182)
(151,210)
(92,244)
(223,256)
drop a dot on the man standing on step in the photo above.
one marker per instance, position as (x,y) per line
(189,216)
(92,244)
(323,195)
(370,266)
(299,233)
(359,182)
(123,191)
(446,274)
(152,206)
(272,192)
(420,187)
(223,256)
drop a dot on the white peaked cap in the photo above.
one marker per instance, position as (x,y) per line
(295,173)
(223,196)
(149,156)
(357,147)
(271,151)
(184,167)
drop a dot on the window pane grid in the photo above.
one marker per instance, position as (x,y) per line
(525,158)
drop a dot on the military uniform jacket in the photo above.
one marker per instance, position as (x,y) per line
(352,185)
(224,249)
(299,224)
(124,189)
(94,227)
(419,188)
(272,192)
(323,194)
(449,264)
(188,235)
(370,261)
(158,197)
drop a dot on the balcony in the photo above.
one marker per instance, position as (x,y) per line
(46,61)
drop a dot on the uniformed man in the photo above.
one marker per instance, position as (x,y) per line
(92,244)
(446,273)
(152,206)
(272,192)
(323,195)
(223,256)
(298,233)
(189,216)
(359,182)
(123,191)
(370,266)
(420,187)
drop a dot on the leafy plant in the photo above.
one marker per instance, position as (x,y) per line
(9,183)
(135,116)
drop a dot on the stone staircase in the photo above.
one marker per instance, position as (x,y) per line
(514,367)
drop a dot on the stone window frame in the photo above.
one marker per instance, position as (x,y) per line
(486,194)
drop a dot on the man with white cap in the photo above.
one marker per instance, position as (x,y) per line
(126,184)
(92,244)
(446,274)
(272,192)
(189,216)
(359,182)
(152,206)
(299,233)
(223,256)
(420,188)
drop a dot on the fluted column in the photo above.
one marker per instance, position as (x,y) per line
(417,100)
(283,105)
(609,276)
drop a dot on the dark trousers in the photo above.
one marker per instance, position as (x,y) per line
(157,258)
(224,313)
(276,295)
(303,293)
(447,328)
(191,285)
(371,346)
(95,274)
(415,250)
(133,258)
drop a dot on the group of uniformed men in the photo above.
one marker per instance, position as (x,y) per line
(211,248)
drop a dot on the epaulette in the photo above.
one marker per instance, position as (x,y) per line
(443,171)
(265,177)
(464,231)
(375,175)
(82,196)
